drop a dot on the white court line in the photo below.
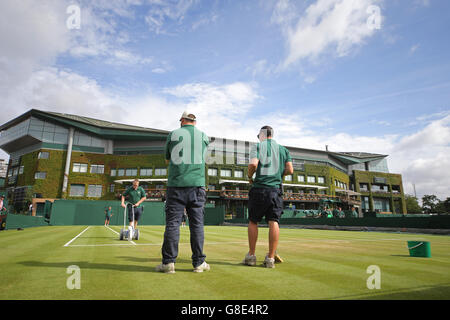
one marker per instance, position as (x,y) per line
(119,233)
(160,244)
(67,244)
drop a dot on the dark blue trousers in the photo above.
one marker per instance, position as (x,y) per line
(179,198)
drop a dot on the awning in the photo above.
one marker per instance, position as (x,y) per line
(349,192)
(140,180)
(222,181)
(304,186)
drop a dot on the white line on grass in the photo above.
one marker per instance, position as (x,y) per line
(160,244)
(68,243)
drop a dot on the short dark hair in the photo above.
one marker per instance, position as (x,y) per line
(268,131)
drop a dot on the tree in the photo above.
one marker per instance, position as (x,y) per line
(412,204)
(429,203)
(446,203)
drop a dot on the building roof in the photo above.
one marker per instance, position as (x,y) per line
(119,131)
(106,129)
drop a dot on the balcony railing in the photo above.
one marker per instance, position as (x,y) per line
(243,195)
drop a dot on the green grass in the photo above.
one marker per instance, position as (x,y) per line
(318,265)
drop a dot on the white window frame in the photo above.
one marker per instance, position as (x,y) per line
(79,167)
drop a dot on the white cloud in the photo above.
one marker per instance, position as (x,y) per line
(163,13)
(414,48)
(228,110)
(28,80)
(123,57)
(158,70)
(204,21)
(327,27)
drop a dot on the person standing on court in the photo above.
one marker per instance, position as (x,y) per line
(269,162)
(136,197)
(185,152)
(108,215)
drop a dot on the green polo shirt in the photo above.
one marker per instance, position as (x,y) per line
(272,159)
(135,195)
(186,149)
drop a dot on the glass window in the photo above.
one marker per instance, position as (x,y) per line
(21,170)
(111,187)
(242,158)
(97,168)
(146,172)
(113,172)
(298,164)
(131,172)
(40,175)
(288,178)
(160,171)
(225,173)
(43,155)
(36,124)
(61,138)
(77,190)
(238,173)
(48,136)
(311,179)
(49,127)
(36,134)
(301,178)
(321,180)
(363,187)
(378,166)
(120,172)
(96,142)
(80,167)
(212,172)
(95,190)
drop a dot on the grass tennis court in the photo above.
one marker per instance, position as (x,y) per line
(318,265)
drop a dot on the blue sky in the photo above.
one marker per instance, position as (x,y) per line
(396,75)
(314,70)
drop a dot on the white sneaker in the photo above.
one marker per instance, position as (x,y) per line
(269,262)
(166,268)
(203,267)
(249,260)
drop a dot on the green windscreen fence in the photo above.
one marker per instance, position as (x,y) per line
(92,212)
(14,221)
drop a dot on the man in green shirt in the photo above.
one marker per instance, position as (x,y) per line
(108,215)
(271,162)
(185,152)
(136,195)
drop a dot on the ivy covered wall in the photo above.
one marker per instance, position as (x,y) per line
(53,166)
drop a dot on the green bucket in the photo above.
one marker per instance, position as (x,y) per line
(419,249)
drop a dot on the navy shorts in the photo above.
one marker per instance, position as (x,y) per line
(265,202)
(137,213)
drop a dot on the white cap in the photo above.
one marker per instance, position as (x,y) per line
(188,115)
